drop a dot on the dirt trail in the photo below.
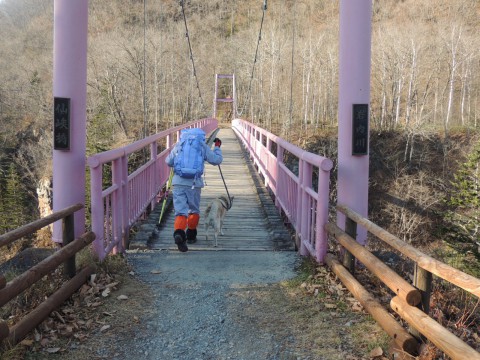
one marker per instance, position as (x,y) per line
(235,305)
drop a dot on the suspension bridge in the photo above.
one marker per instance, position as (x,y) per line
(249,224)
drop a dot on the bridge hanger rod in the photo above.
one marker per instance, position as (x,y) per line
(264,9)
(191,53)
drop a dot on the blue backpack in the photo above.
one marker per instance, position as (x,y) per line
(189,161)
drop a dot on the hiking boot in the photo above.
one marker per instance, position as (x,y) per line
(180,240)
(191,236)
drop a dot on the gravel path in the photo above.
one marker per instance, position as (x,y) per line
(201,303)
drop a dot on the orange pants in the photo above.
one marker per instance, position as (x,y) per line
(182,222)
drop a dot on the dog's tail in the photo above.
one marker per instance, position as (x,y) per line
(207,210)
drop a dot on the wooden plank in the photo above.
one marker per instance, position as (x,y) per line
(219,248)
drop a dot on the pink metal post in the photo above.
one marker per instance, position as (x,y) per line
(215,97)
(354,88)
(70,81)
(119,206)
(322,209)
(234,98)
(155,182)
(304,182)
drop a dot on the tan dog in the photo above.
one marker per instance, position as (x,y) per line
(214,215)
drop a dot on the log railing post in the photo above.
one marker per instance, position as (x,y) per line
(68,236)
(4,330)
(422,280)
(348,258)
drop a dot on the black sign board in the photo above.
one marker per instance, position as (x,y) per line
(360,129)
(61,123)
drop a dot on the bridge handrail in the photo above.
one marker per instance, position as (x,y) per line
(295,196)
(113,154)
(116,208)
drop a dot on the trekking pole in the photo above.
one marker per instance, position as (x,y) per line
(167,189)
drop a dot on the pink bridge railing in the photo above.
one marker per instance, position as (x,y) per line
(305,208)
(115,208)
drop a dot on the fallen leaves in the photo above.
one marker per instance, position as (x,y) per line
(105,328)
(27,342)
(326,286)
(377,352)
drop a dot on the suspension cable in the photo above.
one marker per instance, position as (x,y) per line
(191,52)
(144,69)
(264,9)
(292,68)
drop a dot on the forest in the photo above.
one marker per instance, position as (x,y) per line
(152,65)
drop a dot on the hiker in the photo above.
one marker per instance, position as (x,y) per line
(187,160)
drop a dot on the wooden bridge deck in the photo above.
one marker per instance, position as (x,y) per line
(252,223)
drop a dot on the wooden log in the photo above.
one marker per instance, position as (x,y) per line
(437,334)
(3,281)
(30,228)
(444,271)
(40,313)
(35,273)
(401,337)
(389,277)
(4,330)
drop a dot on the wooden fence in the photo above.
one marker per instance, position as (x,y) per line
(410,300)
(65,255)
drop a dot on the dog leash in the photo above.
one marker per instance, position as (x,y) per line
(230,199)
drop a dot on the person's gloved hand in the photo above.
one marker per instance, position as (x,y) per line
(217,142)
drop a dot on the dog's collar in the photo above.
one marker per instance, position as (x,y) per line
(224,206)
